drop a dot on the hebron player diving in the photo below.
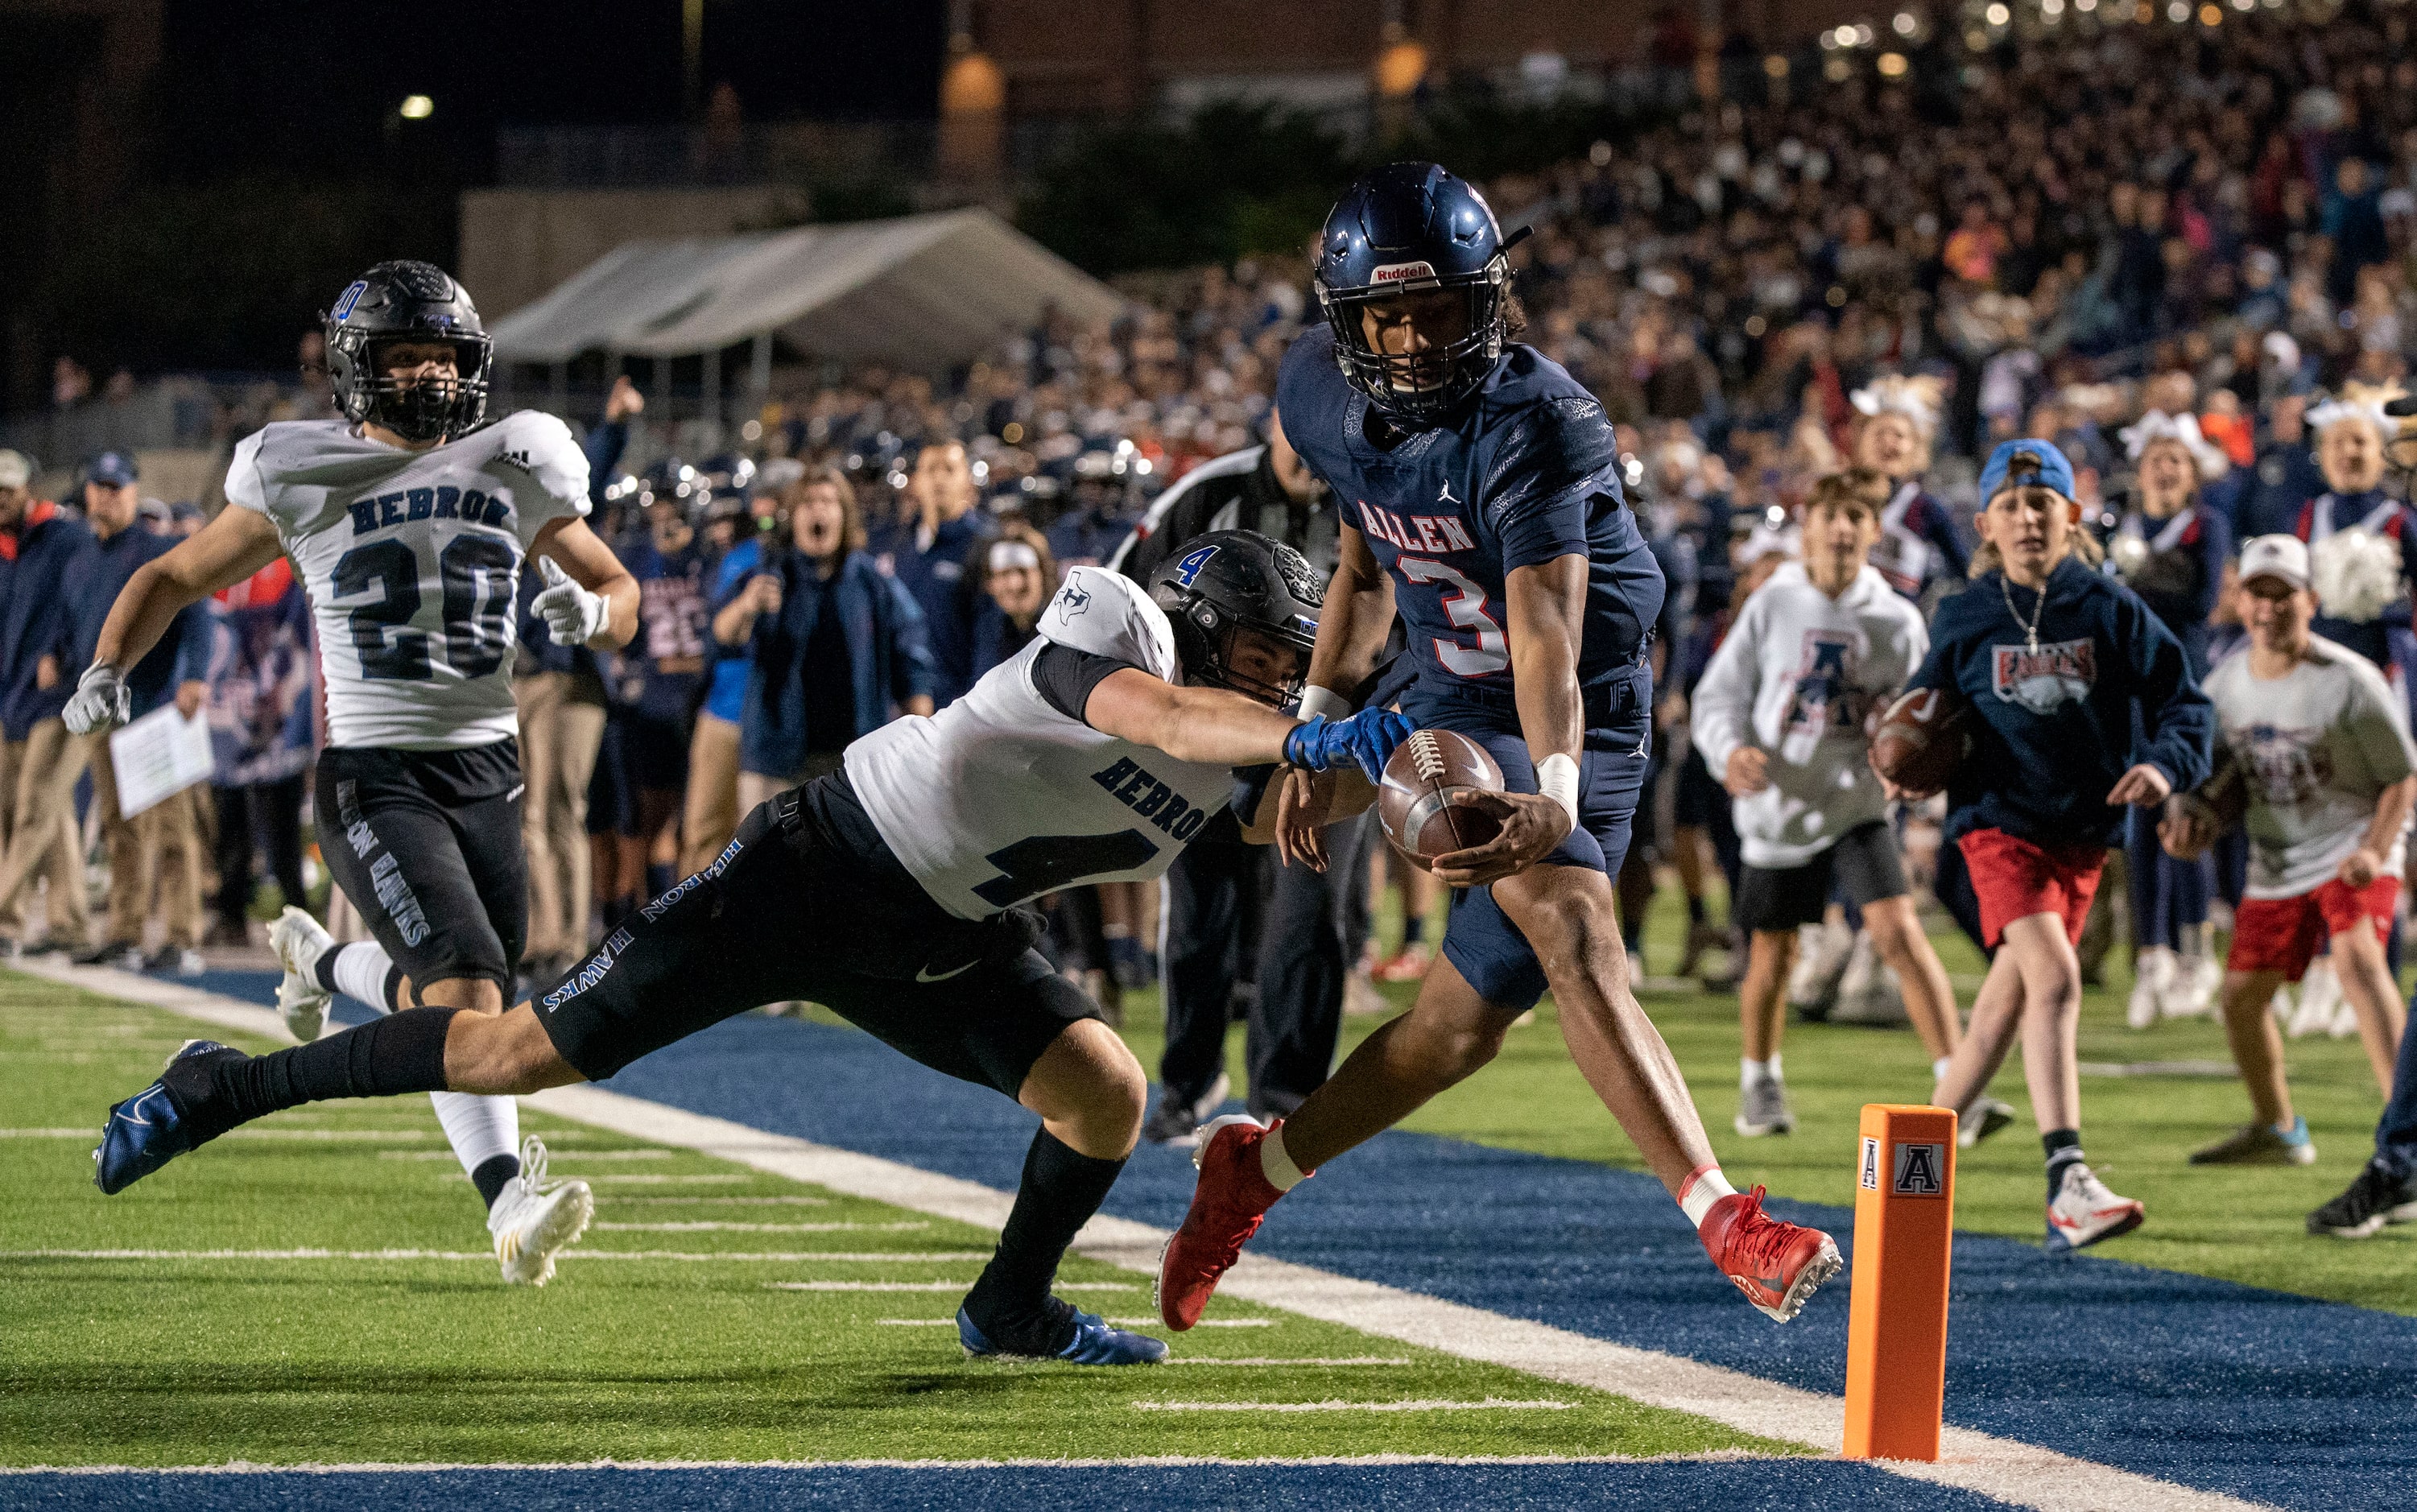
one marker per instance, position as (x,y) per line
(1479,486)
(408,523)
(889,891)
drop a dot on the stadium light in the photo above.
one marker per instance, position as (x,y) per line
(1905,25)
(2052,8)
(1996,15)
(1891,64)
(416,108)
(1775,65)
(2085,7)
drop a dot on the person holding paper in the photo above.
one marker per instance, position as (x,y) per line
(159,843)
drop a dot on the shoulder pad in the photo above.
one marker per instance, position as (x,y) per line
(1549,445)
(1107,614)
(542,444)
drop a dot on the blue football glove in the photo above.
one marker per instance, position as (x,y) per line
(1368,738)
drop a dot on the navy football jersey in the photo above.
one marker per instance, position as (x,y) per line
(1526,472)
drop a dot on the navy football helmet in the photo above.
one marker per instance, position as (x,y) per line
(407,301)
(1229,582)
(1406,229)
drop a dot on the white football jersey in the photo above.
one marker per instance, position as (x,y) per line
(998,798)
(412,559)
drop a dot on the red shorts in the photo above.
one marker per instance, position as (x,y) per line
(2014,878)
(2283,934)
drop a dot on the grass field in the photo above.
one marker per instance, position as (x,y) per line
(2240,1224)
(169,1354)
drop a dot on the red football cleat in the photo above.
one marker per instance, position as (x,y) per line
(1227,1205)
(1776,1265)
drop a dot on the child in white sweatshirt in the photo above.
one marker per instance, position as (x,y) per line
(1782,717)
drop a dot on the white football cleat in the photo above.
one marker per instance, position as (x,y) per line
(534,1221)
(2152,981)
(2191,993)
(1821,953)
(299,942)
(2085,1212)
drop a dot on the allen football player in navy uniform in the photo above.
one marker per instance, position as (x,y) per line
(1478,488)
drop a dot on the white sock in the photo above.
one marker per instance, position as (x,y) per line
(1938,1068)
(1751,1071)
(1702,1189)
(1276,1165)
(360,970)
(481,1127)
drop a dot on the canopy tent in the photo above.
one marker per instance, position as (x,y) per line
(923,291)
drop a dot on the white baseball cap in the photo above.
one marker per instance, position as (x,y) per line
(15,470)
(2275,556)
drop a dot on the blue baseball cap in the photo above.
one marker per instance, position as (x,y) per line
(111,470)
(2053,469)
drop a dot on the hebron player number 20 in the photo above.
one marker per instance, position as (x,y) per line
(408,523)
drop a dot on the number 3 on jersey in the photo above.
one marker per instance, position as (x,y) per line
(1464,604)
(477,572)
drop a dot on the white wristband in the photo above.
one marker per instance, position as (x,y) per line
(1556,777)
(1315,701)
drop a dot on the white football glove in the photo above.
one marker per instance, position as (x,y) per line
(101,702)
(572,615)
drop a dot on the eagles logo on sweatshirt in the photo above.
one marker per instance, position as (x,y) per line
(2063,672)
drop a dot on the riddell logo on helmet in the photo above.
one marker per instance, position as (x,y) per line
(1401,272)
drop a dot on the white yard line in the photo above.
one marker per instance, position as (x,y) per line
(241,1467)
(1275,1360)
(930,1286)
(1424,1404)
(859,1257)
(753,1227)
(2006,1469)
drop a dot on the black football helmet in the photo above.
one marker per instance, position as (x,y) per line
(407,301)
(1228,581)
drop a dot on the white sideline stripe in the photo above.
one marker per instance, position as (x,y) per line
(728,1202)
(1274,1359)
(48,1134)
(1119,1322)
(2006,1469)
(1424,1404)
(559,1156)
(859,1257)
(926,1286)
(245,1467)
(751,1228)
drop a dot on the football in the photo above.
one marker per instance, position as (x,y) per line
(1416,806)
(1922,738)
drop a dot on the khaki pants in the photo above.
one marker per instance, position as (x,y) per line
(754,787)
(712,813)
(558,739)
(162,844)
(38,821)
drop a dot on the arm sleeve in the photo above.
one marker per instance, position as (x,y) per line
(1723,710)
(1064,677)
(1558,456)
(2179,720)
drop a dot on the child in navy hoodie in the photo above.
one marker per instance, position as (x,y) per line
(2060,665)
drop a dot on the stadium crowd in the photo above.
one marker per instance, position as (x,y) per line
(2181,251)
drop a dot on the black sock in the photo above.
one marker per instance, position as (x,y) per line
(2063,1147)
(493,1175)
(1694,909)
(1061,1188)
(659,879)
(324,968)
(400,1052)
(1413,930)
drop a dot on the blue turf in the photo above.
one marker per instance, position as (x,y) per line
(1740,1486)
(2257,1394)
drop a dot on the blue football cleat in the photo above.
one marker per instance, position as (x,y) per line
(144,1131)
(1094,1343)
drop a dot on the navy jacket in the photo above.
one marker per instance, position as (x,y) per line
(934,577)
(182,655)
(39,611)
(2056,729)
(888,658)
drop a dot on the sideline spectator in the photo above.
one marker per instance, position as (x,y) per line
(1015,575)
(927,551)
(656,681)
(260,708)
(162,842)
(561,699)
(710,814)
(837,646)
(39,761)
